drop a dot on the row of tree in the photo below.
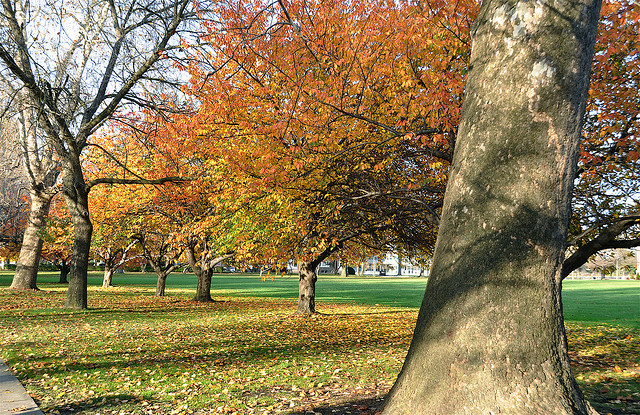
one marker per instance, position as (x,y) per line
(304,130)
(310,128)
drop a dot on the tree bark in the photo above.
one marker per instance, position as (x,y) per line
(64,273)
(490,334)
(306,288)
(161,264)
(26,274)
(77,200)
(203,290)
(161,283)
(204,272)
(107,279)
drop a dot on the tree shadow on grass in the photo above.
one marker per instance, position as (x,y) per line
(97,403)
(361,406)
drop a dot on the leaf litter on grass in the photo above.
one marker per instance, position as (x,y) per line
(137,354)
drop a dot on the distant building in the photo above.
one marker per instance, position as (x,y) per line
(383,265)
(391,265)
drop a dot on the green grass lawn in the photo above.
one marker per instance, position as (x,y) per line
(598,302)
(400,292)
(246,354)
(586,301)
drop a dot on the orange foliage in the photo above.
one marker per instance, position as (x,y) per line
(336,120)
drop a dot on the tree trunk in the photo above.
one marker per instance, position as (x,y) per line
(306,289)
(344,272)
(107,279)
(203,272)
(29,259)
(203,291)
(161,283)
(64,272)
(490,333)
(76,198)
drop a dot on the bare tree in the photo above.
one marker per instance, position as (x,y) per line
(13,203)
(40,170)
(79,64)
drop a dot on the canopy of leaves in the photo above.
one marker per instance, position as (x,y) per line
(336,120)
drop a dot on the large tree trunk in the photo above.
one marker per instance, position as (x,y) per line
(76,197)
(490,334)
(306,288)
(27,268)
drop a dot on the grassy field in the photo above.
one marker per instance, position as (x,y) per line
(133,353)
(401,292)
(586,301)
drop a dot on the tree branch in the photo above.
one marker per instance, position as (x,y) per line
(605,240)
(116,180)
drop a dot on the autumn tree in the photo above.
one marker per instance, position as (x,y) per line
(103,58)
(340,117)
(199,233)
(114,249)
(190,216)
(154,229)
(57,238)
(146,217)
(113,209)
(490,333)
(158,248)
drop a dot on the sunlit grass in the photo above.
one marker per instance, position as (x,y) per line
(246,355)
(132,353)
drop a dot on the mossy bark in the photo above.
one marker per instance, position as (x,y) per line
(490,335)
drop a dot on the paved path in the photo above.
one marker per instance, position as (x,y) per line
(13,398)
